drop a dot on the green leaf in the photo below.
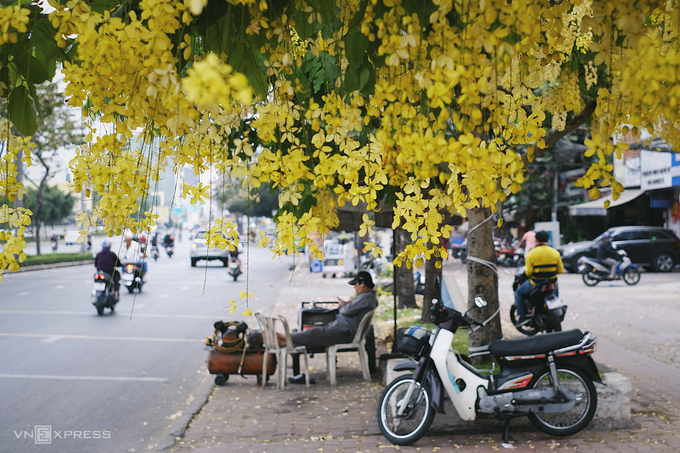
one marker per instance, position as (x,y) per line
(30,68)
(99,6)
(304,29)
(21,111)
(356,44)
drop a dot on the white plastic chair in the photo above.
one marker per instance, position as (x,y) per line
(271,346)
(358,344)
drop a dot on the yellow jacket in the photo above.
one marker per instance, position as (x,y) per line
(543,263)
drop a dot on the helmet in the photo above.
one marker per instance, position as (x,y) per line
(106,244)
(606,235)
(411,340)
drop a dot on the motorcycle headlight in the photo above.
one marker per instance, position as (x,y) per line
(193,244)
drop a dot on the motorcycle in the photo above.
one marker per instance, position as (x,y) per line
(103,293)
(234,267)
(169,249)
(54,239)
(548,378)
(545,311)
(506,255)
(154,252)
(132,277)
(594,272)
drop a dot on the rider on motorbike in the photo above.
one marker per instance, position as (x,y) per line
(107,261)
(134,253)
(234,254)
(542,263)
(607,255)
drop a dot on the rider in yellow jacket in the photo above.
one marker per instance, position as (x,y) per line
(542,263)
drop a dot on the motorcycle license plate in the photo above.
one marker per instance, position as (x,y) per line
(554,303)
(127,280)
(99,286)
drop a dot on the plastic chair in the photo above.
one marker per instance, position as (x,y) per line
(271,346)
(358,344)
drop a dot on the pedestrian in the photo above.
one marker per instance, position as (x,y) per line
(529,241)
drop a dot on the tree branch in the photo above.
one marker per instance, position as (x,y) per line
(571,126)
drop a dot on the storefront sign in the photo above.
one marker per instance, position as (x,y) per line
(656,170)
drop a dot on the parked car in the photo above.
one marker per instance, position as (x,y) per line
(199,251)
(653,247)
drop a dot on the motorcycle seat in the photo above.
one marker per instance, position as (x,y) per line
(539,344)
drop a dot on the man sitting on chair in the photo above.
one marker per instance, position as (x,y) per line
(345,324)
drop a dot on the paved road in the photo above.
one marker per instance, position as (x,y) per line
(123,377)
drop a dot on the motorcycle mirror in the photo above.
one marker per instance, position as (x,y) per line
(480,302)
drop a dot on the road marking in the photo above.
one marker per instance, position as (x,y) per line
(60,287)
(92,337)
(52,339)
(165,296)
(83,378)
(23,293)
(184,288)
(91,313)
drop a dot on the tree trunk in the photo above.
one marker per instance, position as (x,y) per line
(482,280)
(433,279)
(38,210)
(404,275)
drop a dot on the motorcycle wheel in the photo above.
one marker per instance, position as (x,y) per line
(417,418)
(574,420)
(101,303)
(631,276)
(527,329)
(555,323)
(589,280)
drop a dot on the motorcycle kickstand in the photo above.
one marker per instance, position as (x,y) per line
(507,438)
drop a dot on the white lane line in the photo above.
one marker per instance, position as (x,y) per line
(92,337)
(165,296)
(23,293)
(91,313)
(52,339)
(83,378)
(60,287)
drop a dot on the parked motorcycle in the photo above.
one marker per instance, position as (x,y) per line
(132,277)
(103,293)
(234,267)
(548,378)
(545,311)
(595,272)
(54,239)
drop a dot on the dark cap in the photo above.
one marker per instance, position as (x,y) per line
(542,236)
(363,277)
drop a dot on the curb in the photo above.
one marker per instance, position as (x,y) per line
(40,267)
(180,425)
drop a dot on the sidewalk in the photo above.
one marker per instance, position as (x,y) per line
(242,417)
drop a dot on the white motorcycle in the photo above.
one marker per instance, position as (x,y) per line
(234,267)
(548,378)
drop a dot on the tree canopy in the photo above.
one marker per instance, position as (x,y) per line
(420,104)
